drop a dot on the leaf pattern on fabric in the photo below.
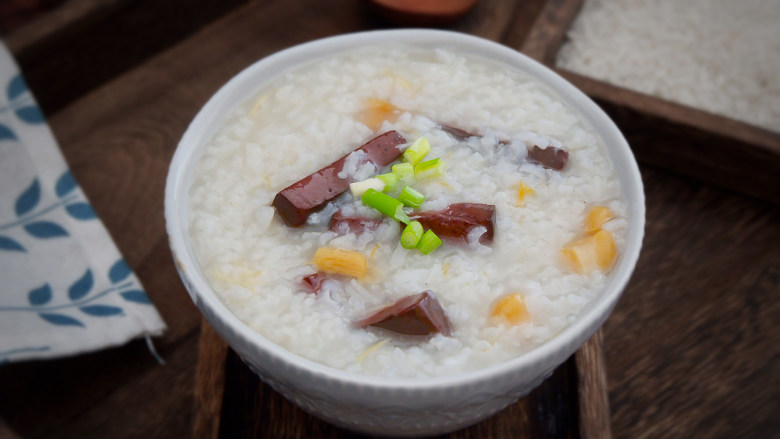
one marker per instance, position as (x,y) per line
(40,296)
(16,87)
(28,199)
(81,287)
(65,184)
(81,211)
(101,310)
(6,133)
(45,229)
(31,114)
(119,271)
(136,296)
(26,111)
(67,298)
(9,244)
(60,319)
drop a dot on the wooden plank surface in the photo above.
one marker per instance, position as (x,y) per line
(549,30)
(709,147)
(84,43)
(209,383)
(551,411)
(689,348)
(692,347)
(594,409)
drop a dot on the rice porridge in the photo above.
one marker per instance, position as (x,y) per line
(521,201)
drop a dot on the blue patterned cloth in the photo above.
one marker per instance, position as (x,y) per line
(64,287)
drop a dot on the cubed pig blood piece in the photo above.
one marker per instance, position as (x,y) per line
(456,221)
(550,157)
(343,224)
(457,133)
(313,282)
(418,314)
(296,202)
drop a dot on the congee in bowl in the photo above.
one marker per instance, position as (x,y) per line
(402,211)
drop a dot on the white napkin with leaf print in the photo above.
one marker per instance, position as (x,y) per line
(64,287)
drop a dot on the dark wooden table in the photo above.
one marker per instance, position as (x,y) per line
(692,349)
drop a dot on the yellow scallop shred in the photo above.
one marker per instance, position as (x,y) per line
(373,251)
(522,191)
(597,216)
(606,250)
(594,252)
(511,308)
(377,111)
(340,261)
(370,350)
(257,105)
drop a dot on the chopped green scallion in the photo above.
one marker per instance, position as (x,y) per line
(385,204)
(429,242)
(411,235)
(404,171)
(390,180)
(430,168)
(357,188)
(411,197)
(417,151)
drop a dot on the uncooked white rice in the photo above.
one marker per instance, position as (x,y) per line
(721,56)
(307,119)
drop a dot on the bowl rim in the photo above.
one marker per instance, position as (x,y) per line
(178,181)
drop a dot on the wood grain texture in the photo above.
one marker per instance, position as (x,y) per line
(209,383)
(691,347)
(102,394)
(14,14)
(686,140)
(549,30)
(549,411)
(592,386)
(47,26)
(6,432)
(710,148)
(715,125)
(85,43)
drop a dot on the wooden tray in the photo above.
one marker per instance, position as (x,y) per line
(714,149)
(230,402)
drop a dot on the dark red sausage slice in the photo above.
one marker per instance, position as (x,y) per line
(456,221)
(299,200)
(550,157)
(419,314)
(457,133)
(313,282)
(342,224)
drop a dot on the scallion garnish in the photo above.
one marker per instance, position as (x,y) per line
(417,151)
(385,204)
(411,235)
(390,180)
(429,168)
(404,171)
(411,197)
(359,187)
(428,243)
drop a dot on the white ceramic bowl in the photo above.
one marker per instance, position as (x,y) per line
(398,407)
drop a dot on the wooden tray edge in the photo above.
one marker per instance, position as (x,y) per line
(708,147)
(594,416)
(209,383)
(595,419)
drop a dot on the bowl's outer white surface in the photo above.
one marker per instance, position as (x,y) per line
(397,407)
